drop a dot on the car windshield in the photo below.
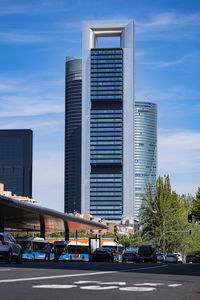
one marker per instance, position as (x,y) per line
(102,249)
(145,250)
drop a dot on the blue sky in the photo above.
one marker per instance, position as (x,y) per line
(35,37)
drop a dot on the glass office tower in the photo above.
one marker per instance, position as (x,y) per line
(73,94)
(106,133)
(16,161)
(145,149)
(107,187)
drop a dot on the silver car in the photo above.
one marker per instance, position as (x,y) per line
(171,258)
(180,257)
(160,257)
(9,248)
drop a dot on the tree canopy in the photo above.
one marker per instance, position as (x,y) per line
(163,218)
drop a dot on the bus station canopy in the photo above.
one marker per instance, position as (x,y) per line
(21,216)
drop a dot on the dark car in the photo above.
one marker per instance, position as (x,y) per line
(102,254)
(129,256)
(146,254)
(193,258)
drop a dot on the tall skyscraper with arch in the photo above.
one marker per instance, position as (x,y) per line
(107,169)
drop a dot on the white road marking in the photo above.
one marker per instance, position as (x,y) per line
(100,282)
(5,269)
(76,275)
(84,282)
(114,283)
(149,284)
(55,277)
(174,285)
(137,289)
(55,286)
(98,288)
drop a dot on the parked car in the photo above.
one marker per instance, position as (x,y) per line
(160,257)
(193,258)
(180,257)
(171,258)
(146,254)
(128,255)
(102,254)
(9,248)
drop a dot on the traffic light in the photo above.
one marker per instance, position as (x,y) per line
(189,218)
(117,240)
(190,231)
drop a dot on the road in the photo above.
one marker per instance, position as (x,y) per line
(86,280)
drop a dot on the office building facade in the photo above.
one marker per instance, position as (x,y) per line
(145,149)
(107,170)
(16,161)
(73,99)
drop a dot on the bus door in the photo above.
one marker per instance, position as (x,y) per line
(60,251)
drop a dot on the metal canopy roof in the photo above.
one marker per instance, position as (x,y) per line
(21,216)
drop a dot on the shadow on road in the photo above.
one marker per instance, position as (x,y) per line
(182,269)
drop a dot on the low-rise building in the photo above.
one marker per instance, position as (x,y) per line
(20,198)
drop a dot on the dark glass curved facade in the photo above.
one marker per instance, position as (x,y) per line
(145,149)
(16,161)
(73,96)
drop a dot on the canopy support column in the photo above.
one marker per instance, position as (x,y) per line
(66,231)
(42,227)
(2,221)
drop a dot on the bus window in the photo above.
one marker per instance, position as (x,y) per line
(26,246)
(38,246)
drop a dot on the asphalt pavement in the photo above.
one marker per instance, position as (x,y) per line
(86,280)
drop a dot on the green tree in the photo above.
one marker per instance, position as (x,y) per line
(125,241)
(196,205)
(137,239)
(163,215)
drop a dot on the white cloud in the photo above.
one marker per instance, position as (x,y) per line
(168,25)
(171,93)
(179,153)
(22,37)
(30,106)
(179,156)
(49,167)
(32,96)
(162,64)
(48,178)
(33,7)
(171,19)
(43,126)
